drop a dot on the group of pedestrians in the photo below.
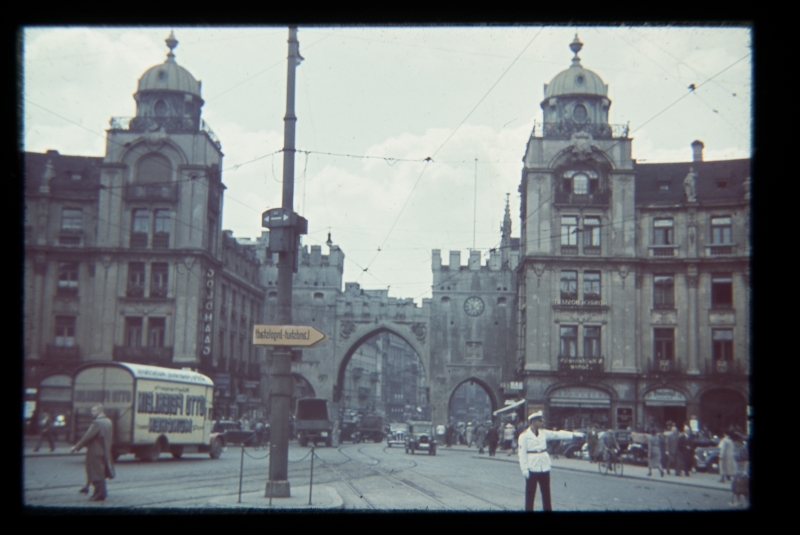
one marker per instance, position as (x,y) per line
(670,450)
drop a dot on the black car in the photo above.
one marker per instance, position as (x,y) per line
(232,434)
(348,432)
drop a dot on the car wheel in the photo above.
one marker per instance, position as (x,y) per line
(216,449)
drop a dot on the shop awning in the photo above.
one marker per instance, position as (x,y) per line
(664,397)
(509,407)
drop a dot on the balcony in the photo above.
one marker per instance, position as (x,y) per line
(157,356)
(661,251)
(158,291)
(581,364)
(169,124)
(135,290)
(161,240)
(575,303)
(601,198)
(664,366)
(54,352)
(570,250)
(663,306)
(138,239)
(591,250)
(151,192)
(565,130)
(725,368)
(70,238)
(721,250)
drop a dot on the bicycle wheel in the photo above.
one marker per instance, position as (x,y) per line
(620,465)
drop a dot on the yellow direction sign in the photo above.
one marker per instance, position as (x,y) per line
(287,335)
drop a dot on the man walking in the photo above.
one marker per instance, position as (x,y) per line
(534,460)
(480,437)
(99,462)
(492,437)
(46,431)
(671,442)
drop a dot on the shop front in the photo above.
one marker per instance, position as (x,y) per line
(55,397)
(722,409)
(578,407)
(664,405)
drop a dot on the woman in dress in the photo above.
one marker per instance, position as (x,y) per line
(654,445)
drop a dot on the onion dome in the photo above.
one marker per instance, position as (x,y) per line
(169,76)
(576,80)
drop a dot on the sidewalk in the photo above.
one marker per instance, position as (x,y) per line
(699,479)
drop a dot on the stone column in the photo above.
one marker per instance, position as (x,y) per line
(692,317)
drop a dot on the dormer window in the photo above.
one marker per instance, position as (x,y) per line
(160,108)
(582,182)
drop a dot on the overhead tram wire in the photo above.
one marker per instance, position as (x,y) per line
(447,140)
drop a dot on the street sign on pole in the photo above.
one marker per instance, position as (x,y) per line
(287,335)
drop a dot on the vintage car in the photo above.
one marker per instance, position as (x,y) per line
(420,437)
(397,434)
(706,459)
(232,434)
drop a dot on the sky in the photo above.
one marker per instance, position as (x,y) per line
(391,120)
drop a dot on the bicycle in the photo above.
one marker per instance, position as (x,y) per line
(610,463)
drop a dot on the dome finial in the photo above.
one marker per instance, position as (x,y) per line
(576,47)
(171,44)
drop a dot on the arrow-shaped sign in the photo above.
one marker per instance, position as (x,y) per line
(287,335)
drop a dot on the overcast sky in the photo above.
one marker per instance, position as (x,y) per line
(454,94)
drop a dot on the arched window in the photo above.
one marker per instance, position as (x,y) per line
(160,108)
(154,169)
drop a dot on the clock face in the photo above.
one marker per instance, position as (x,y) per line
(473,306)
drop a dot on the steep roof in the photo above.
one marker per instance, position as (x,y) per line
(63,169)
(717,182)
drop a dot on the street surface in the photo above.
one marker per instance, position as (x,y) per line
(369,477)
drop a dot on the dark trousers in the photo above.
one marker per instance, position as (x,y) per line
(492,448)
(46,436)
(543,479)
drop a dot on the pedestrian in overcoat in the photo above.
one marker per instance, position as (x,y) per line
(685,452)
(534,460)
(99,460)
(727,461)
(654,442)
(671,441)
(492,437)
(480,437)
(593,440)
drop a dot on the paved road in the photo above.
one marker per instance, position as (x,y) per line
(368,477)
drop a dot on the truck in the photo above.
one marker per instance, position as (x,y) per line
(312,423)
(371,428)
(152,409)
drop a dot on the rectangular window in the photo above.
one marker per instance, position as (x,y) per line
(67,279)
(591,232)
(591,286)
(591,341)
(664,344)
(156,331)
(161,229)
(723,344)
(135,279)
(65,331)
(140,228)
(569,341)
(721,291)
(569,231)
(71,219)
(569,285)
(133,332)
(663,291)
(721,230)
(663,232)
(158,279)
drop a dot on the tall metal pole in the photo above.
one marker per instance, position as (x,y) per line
(281,380)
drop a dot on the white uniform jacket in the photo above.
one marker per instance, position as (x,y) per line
(532,451)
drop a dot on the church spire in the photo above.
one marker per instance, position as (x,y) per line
(505,239)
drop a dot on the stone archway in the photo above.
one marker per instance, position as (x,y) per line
(474,410)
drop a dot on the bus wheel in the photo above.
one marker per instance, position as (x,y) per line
(216,449)
(176,451)
(153,453)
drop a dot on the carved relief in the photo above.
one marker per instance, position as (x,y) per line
(189,262)
(582,144)
(538,268)
(322,378)
(419,330)
(346,329)
(155,137)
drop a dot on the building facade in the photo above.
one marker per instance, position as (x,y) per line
(633,289)
(124,255)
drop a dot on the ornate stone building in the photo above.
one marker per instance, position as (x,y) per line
(633,291)
(124,256)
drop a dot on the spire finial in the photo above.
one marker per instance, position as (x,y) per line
(171,44)
(576,47)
